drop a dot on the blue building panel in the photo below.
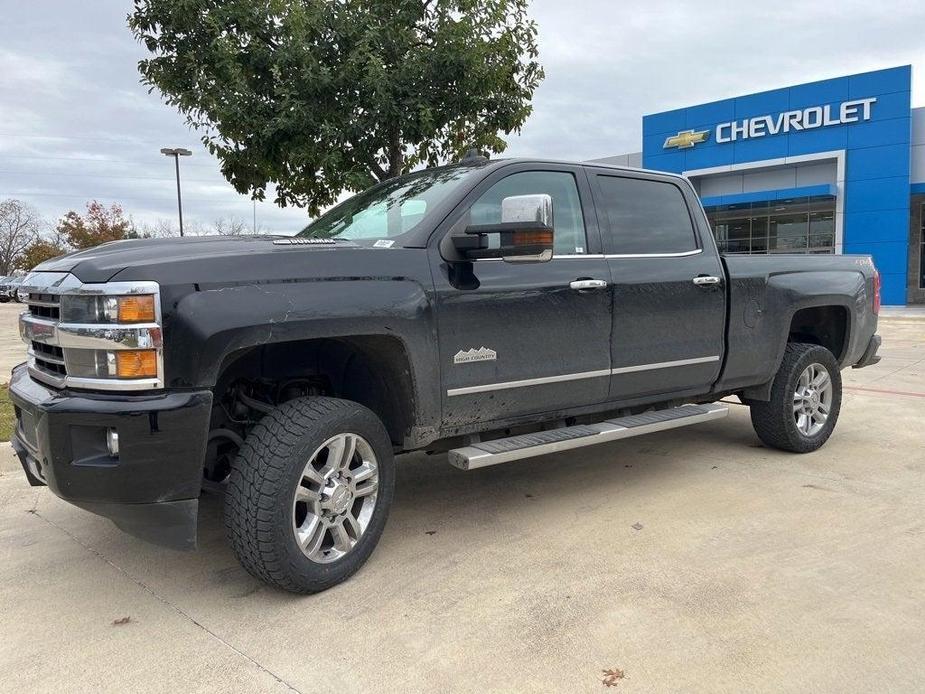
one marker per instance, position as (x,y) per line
(667,122)
(708,114)
(871,227)
(886,160)
(821,140)
(866,117)
(762,148)
(762,103)
(891,257)
(826,91)
(895,131)
(878,194)
(896,79)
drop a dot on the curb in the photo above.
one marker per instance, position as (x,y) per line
(900,319)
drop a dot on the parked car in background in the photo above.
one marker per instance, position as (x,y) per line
(493,310)
(13,285)
(4,289)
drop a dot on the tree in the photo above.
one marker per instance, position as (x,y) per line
(99,225)
(20,224)
(320,97)
(230,227)
(39,251)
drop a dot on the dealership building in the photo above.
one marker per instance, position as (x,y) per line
(836,166)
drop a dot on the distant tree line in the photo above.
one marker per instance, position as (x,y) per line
(26,239)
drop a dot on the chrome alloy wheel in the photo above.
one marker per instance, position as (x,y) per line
(335,498)
(812,399)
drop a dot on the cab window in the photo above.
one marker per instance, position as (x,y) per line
(568,221)
(645,216)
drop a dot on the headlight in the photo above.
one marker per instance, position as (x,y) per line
(108,309)
(105,336)
(119,364)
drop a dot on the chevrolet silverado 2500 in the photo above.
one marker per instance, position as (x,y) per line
(490,310)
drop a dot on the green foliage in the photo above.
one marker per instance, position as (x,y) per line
(7,415)
(39,251)
(322,96)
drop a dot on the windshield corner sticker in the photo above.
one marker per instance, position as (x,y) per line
(384,243)
(471,355)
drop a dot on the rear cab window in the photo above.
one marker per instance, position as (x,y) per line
(644,217)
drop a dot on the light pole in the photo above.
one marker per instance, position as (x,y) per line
(176,153)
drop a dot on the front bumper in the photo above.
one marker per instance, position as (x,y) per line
(151,489)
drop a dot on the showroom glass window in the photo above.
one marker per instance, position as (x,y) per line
(802,225)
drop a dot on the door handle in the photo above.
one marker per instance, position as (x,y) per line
(706,280)
(585,283)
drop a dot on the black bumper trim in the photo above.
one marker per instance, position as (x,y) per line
(151,488)
(170,524)
(870,355)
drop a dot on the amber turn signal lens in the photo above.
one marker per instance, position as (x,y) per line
(136,309)
(136,363)
(534,237)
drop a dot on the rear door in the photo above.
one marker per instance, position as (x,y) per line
(669,306)
(523,338)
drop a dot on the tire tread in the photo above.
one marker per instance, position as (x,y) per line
(258,479)
(771,419)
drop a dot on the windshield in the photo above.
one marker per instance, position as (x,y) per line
(391,209)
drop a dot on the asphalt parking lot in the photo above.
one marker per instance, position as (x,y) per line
(692,561)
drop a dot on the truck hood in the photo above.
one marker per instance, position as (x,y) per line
(102,263)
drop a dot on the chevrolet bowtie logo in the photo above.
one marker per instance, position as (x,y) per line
(686,139)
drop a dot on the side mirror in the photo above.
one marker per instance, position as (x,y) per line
(526,232)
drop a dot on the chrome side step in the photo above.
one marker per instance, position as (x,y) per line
(544,442)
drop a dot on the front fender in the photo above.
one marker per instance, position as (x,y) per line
(210,325)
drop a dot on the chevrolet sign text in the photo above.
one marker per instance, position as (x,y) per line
(789,121)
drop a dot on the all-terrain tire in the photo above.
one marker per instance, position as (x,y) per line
(262,486)
(775,422)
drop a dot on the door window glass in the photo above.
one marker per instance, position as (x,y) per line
(648,216)
(568,223)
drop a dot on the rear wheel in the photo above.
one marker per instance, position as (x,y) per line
(805,400)
(309,493)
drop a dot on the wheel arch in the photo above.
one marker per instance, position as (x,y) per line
(372,369)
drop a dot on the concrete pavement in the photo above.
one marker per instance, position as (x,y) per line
(693,561)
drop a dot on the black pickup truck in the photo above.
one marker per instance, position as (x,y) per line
(490,310)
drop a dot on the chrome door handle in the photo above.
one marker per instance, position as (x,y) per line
(706,280)
(587,284)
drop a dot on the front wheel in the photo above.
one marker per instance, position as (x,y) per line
(309,493)
(805,400)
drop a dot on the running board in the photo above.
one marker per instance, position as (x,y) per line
(555,440)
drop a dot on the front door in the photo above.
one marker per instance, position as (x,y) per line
(523,338)
(669,305)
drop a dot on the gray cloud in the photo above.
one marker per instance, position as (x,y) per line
(76,124)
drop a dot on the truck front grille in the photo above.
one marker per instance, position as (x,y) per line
(44,306)
(49,358)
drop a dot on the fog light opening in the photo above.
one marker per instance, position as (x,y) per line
(112,442)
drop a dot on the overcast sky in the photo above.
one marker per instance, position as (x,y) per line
(76,124)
